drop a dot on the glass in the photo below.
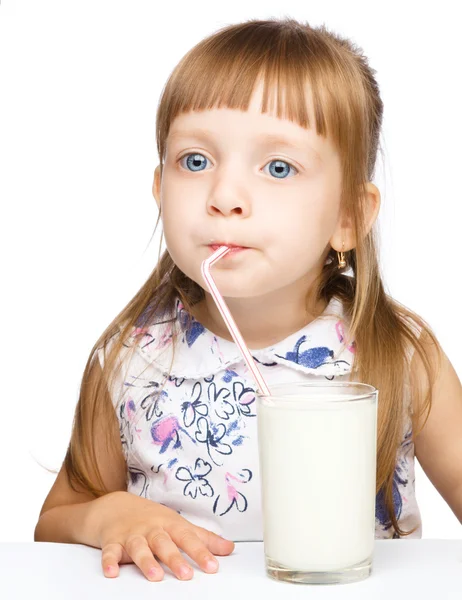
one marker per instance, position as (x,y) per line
(317,447)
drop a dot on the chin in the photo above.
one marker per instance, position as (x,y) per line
(238,291)
(230,283)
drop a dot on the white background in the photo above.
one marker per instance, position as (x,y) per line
(80,82)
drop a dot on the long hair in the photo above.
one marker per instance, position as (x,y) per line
(222,70)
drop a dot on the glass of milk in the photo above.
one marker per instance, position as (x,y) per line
(317,447)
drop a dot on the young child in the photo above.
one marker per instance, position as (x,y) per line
(267,134)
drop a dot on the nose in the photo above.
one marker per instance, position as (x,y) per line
(225,208)
(226,201)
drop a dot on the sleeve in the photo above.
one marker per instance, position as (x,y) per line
(410,351)
(115,379)
(117,390)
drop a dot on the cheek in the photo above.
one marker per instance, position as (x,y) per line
(174,207)
(308,227)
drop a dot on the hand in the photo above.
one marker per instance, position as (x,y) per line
(129,528)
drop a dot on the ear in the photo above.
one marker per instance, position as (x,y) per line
(344,229)
(156,186)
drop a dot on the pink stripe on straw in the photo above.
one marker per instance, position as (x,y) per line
(230,323)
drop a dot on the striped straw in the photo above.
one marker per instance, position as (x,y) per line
(230,323)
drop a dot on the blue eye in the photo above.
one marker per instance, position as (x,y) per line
(196,162)
(280,167)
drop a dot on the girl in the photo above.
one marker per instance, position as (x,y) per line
(267,135)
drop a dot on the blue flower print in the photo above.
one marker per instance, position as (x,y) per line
(244,397)
(312,358)
(233,431)
(229,374)
(212,436)
(223,408)
(196,481)
(192,328)
(193,333)
(399,479)
(192,408)
(381,512)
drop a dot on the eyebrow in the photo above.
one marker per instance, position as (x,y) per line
(264,139)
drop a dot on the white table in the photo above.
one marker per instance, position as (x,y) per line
(402,569)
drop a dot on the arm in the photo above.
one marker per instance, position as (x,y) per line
(70,522)
(438,447)
(126,527)
(65,513)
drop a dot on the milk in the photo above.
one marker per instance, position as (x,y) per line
(318,477)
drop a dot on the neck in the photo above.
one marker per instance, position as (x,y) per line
(262,320)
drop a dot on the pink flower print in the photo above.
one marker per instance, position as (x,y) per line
(244,397)
(234,497)
(161,342)
(142,333)
(231,490)
(165,338)
(166,430)
(139,331)
(341,336)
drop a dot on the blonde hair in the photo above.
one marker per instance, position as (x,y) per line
(222,70)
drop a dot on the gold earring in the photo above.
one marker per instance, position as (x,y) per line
(341,257)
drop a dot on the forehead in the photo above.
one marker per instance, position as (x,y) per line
(251,126)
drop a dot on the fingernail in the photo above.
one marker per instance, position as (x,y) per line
(153,572)
(211,565)
(185,571)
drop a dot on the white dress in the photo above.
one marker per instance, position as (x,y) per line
(193,446)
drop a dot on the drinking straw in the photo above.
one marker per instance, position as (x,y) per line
(230,323)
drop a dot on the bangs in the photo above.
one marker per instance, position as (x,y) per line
(223,71)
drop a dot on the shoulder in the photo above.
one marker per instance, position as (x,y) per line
(436,391)
(424,357)
(438,420)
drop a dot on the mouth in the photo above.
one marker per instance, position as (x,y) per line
(234,248)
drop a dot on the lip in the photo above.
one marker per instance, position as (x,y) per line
(234,249)
(219,244)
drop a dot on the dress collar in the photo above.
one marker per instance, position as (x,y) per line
(317,349)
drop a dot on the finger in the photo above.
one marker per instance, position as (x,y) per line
(215,543)
(110,557)
(138,549)
(167,551)
(186,539)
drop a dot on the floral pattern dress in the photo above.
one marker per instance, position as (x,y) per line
(192,445)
